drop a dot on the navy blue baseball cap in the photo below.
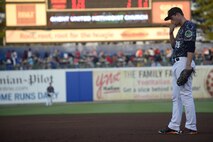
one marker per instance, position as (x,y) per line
(173,11)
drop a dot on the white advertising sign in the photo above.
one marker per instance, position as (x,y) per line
(146,83)
(20,87)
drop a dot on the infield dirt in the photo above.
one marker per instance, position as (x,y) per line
(131,127)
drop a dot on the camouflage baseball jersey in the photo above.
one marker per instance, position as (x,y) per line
(187,33)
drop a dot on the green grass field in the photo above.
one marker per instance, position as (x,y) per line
(202,105)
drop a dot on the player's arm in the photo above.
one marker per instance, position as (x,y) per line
(190,56)
(171,35)
(190,53)
(189,39)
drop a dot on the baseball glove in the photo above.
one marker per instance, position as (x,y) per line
(184,75)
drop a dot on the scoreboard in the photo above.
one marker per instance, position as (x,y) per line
(86,14)
(89,20)
(98,19)
(98,13)
(99,4)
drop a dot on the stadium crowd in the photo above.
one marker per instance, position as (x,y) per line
(56,59)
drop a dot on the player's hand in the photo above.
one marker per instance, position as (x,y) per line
(171,28)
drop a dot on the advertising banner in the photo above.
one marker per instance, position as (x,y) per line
(146,83)
(25,0)
(99,19)
(21,87)
(25,15)
(86,35)
(160,9)
(203,82)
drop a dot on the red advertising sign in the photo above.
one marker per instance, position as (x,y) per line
(25,14)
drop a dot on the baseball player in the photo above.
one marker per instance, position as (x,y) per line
(50,92)
(183,50)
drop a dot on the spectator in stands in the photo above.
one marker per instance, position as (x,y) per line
(52,63)
(151,54)
(30,62)
(198,58)
(88,60)
(102,59)
(8,54)
(114,60)
(25,55)
(9,64)
(53,59)
(109,60)
(76,62)
(157,57)
(169,55)
(211,51)
(46,55)
(138,60)
(130,61)
(139,53)
(14,58)
(207,55)
(163,58)
(77,53)
(70,60)
(29,53)
(121,58)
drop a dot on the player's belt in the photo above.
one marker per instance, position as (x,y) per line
(179,59)
(176,59)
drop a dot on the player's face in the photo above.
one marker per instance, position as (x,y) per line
(175,20)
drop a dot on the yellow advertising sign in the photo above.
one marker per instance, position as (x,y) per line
(86,35)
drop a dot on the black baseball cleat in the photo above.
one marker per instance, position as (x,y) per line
(190,132)
(169,131)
